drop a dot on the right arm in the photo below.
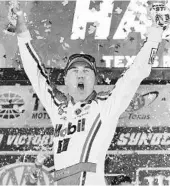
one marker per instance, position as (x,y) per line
(34,69)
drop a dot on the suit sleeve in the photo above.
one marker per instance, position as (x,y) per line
(120,97)
(36,73)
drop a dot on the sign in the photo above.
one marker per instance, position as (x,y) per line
(142,153)
(149,107)
(18,149)
(20,106)
(139,149)
(153,176)
(25,139)
(139,152)
(77,27)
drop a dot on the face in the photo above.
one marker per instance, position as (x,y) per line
(80,81)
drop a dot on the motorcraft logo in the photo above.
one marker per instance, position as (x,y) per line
(139,101)
(11,105)
(157,176)
(17,174)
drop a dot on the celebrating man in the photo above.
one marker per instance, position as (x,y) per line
(85,121)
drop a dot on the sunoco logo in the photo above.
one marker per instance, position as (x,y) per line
(139,101)
(11,105)
(17,174)
(144,138)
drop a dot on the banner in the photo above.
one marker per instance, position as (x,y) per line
(150,107)
(142,153)
(138,152)
(18,149)
(61,28)
(139,149)
(19,105)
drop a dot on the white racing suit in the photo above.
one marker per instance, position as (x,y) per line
(83,131)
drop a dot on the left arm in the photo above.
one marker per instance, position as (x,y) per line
(128,84)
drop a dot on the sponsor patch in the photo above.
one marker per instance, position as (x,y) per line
(152,56)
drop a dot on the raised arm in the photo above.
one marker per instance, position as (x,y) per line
(125,88)
(34,69)
(130,80)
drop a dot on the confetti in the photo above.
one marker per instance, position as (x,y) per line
(44,20)
(65,2)
(40,37)
(47,26)
(47,30)
(37,32)
(92,29)
(61,39)
(108,81)
(112,46)
(118,10)
(65,46)
(48,62)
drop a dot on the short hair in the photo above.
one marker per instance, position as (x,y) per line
(85,57)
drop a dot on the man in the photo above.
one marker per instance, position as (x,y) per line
(84,122)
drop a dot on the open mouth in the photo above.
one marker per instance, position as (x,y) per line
(80,86)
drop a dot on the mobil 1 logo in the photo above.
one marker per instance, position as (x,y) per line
(61,131)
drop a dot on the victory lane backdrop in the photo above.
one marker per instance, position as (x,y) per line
(139,149)
(60,28)
(140,146)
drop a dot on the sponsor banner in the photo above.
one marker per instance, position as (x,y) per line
(25,139)
(67,29)
(141,153)
(19,105)
(149,108)
(137,139)
(135,151)
(141,139)
(144,169)
(153,176)
(18,150)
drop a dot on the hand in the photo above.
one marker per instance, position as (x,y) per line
(34,172)
(17,11)
(159,14)
(21,23)
(41,157)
